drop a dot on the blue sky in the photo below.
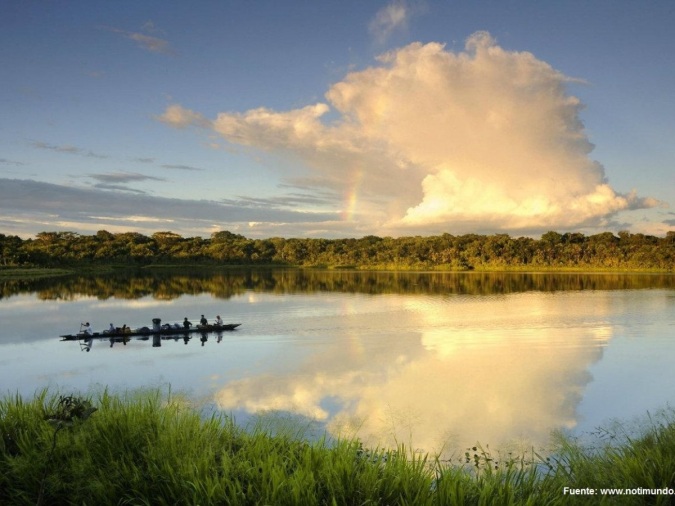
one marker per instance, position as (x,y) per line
(337,119)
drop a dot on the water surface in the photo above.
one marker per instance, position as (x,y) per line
(433,360)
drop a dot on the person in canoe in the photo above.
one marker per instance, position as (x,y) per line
(86,329)
(187,323)
(219,320)
(203,321)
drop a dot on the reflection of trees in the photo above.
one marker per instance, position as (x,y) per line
(167,284)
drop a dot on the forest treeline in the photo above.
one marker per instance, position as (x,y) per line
(446,251)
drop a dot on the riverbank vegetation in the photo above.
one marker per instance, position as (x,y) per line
(553,250)
(145,448)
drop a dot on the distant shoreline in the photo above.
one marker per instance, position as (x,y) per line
(45,272)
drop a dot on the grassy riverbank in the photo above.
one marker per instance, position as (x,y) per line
(33,273)
(143,449)
(47,272)
(28,273)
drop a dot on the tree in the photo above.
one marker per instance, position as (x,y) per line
(552,237)
(10,249)
(224,236)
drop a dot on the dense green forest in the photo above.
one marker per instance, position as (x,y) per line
(464,252)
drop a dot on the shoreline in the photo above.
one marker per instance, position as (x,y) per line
(18,273)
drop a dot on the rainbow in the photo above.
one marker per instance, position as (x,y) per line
(352,196)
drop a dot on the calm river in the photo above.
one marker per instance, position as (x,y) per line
(436,361)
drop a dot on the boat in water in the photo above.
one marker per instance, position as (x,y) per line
(157,329)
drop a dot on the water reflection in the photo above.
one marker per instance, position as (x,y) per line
(169,284)
(499,372)
(156,340)
(432,360)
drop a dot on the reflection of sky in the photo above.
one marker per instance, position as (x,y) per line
(454,370)
(430,371)
(636,375)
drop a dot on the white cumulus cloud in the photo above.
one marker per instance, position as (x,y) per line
(180,117)
(390,18)
(432,140)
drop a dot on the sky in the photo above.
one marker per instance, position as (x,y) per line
(337,118)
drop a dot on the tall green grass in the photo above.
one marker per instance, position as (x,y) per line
(145,448)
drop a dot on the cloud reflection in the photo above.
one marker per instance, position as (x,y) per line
(500,380)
